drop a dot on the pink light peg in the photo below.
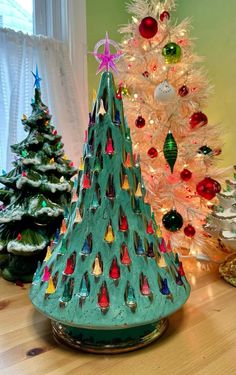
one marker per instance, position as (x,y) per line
(145,289)
(46,274)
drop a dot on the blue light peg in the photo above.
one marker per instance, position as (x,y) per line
(37,79)
(131,300)
(4,172)
(150,251)
(117,117)
(86,249)
(57,236)
(165,289)
(83,292)
(140,249)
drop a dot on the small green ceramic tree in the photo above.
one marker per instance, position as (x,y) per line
(110,281)
(36,192)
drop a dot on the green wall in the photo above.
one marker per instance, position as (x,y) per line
(214,27)
(102,16)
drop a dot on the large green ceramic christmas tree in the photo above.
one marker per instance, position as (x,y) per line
(36,192)
(110,282)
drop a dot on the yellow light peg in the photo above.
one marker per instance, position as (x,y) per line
(127,163)
(46,123)
(97,271)
(138,192)
(101,108)
(158,231)
(161,262)
(63,227)
(24,117)
(62,179)
(78,217)
(51,288)
(48,254)
(65,157)
(51,161)
(81,165)
(125,184)
(109,236)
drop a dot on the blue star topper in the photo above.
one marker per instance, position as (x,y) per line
(37,79)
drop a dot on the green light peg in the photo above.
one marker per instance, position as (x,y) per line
(59,145)
(95,203)
(97,167)
(44,204)
(24,153)
(130,299)
(83,293)
(66,296)
(127,134)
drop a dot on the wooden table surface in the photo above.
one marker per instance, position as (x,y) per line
(201,338)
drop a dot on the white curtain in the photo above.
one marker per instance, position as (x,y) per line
(19,54)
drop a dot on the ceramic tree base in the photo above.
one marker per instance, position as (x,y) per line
(228,270)
(108,341)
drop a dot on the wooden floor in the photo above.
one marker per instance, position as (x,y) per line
(201,338)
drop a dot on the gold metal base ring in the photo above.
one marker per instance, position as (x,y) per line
(108,341)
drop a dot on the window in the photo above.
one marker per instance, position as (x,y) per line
(17,15)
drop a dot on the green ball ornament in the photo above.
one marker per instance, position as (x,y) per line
(172,53)
(172,221)
(24,153)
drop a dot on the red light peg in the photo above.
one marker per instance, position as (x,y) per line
(127,163)
(145,289)
(119,93)
(169,248)
(162,246)
(114,272)
(125,258)
(54,132)
(24,174)
(19,237)
(123,224)
(103,298)
(180,269)
(71,164)
(86,182)
(150,229)
(109,147)
(69,267)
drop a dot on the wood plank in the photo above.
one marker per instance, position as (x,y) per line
(201,339)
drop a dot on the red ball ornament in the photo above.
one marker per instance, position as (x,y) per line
(197,119)
(140,122)
(183,91)
(185,174)
(208,188)
(152,152)
(148,27)
(164,16)
(189,230)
